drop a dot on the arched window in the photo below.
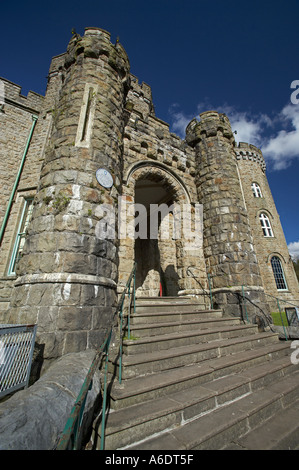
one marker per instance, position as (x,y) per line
(266,226)
(256,190)
(278,273)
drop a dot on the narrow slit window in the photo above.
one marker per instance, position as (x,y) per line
(86,116)
(278,273)
(266,226)
(21,236)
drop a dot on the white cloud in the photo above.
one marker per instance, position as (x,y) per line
(179,120)
(284,147)
(278,137)
(294,249)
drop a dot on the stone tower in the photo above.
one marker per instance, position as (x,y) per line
(228,244)
(267,232)
(67,276)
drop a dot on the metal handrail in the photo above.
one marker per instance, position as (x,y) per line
(127,289)
(278,300)
(202,288)
(70,435)
(69,438)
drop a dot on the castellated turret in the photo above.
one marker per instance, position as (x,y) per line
(228,244)
(67,276)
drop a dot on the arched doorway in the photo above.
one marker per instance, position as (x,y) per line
(151,194)
(155,250)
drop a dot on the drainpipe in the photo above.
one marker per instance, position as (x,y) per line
(34,119)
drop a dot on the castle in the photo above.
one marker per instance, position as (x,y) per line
(55,268)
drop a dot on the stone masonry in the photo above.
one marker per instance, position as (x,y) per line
(96,115)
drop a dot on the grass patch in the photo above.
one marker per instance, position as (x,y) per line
(132,337)
(277,317)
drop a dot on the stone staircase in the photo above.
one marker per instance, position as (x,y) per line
(194,379)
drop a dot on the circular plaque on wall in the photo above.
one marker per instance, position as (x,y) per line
(104,177)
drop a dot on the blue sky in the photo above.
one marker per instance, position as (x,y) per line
(237,57)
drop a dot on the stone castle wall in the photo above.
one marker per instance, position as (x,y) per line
(97,115)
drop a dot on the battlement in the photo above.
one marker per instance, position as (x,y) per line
(139,98)
(211,122)
(93,31)
(12,95)
(245,151)
(143,90)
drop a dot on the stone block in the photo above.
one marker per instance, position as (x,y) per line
(72,318)
(92,295)
(75,342)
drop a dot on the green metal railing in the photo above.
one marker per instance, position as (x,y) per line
(131,296)
(278,301)
(71,435)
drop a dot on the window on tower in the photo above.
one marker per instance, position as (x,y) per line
(266,226)
(278,273)
(256,190)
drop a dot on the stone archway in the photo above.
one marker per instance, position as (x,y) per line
(162,261)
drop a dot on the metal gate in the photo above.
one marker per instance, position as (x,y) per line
(16,351)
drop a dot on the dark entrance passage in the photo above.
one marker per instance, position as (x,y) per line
(156,257)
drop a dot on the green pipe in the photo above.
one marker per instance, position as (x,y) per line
(34,119)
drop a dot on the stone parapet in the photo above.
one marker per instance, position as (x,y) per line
(250,152)
(211,123)
(31,103)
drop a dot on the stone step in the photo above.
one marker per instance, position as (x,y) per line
(178,339)
(165,300)
(214,430)
(159,360)
(140,421)
(153,386)
(185,367)
(280,432)
(172,307)
(151,329)
(173,315)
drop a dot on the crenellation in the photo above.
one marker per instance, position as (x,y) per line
(33,102)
